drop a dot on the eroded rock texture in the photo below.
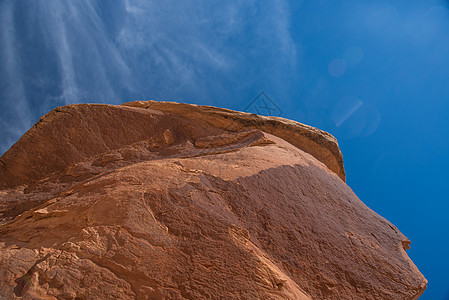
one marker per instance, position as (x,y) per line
(158,200)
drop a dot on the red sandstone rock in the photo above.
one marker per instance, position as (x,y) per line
(159,200)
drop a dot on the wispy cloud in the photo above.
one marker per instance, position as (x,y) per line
(192,45)
(16,116)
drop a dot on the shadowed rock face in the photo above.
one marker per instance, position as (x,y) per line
(158,200)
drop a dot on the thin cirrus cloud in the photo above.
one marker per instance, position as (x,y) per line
(205,44)
(13,87)
(60,52)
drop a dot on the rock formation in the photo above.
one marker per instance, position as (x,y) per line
(159,200)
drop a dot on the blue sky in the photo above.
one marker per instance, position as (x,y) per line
(373,73)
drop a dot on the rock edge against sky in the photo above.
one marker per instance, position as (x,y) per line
(160,200)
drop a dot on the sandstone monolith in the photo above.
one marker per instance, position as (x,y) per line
(160,200)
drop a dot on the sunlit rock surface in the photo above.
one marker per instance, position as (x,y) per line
(159,200)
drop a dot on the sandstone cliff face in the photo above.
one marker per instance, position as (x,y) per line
(158,200)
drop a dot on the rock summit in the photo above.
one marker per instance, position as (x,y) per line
(161,200)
